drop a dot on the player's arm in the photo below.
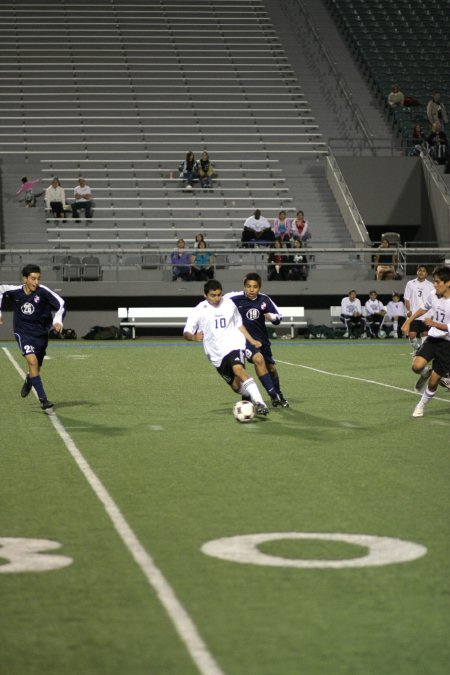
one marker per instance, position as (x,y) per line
(273,315)
(249,338)
(409,320)
(190,330)
(431,323)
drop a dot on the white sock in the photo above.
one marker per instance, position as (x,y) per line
(395,326)
(414,342)
(427,396)
(249,388)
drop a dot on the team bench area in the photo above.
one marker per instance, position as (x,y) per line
(174,317)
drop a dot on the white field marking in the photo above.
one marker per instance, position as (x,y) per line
(358,379)
(381,550)
(183,623)
(24,555)
(156,427)
(78,356)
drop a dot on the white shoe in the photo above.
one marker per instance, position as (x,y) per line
(345,334)
(418,410)
(188,187)
(394,335)
(445,382)
(363,336)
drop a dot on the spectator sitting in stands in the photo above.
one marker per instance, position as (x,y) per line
(385,262)
(83,199)
(282,228)
(27,187)
(198,238)
(300,227)
(180,260)
(419,142)
(396,98)
(436,111)
(277,270)
(298,268)
(202,263)
(438,143)
(256,230)
(189,169)
(375,313)
(55,199)
(205,170)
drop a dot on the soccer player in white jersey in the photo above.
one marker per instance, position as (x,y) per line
(217,323)
(436,347)
(351,315)
(416,292)
(375,313)
(396,312)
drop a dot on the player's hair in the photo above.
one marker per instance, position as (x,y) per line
(212,285)
(352,291)
(442,272)
(425,267)
(253,276)
(30,269)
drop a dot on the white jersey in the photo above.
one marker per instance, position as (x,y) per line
(349,307)
(440,311)
(416,292)
(220,328)
(395,309)
(373,306)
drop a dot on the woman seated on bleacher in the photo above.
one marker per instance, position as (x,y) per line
(55,199)
(385,262)
(282,228)
(202,262)
(189,169)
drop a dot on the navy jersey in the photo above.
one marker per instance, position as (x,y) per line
(253,311)
(33,312)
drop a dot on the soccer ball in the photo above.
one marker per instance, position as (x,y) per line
(244,411)
(381,334)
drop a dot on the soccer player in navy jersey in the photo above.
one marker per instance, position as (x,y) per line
(33,305)
(255,309)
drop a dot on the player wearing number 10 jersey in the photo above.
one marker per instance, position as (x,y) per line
(217,323)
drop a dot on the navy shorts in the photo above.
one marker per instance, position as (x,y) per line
(438,351)
(265,350)
(225,369)
(32,344)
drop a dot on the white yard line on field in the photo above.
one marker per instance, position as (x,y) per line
(358,379)
(183,623)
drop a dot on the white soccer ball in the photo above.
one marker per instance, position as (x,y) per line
(244,411)
(381,334)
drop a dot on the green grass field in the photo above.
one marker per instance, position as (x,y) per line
(143,464)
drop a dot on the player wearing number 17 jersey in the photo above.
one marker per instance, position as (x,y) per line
(217,323)
(436,347)
(33,307)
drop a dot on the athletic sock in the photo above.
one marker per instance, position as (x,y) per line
(268,385)
(38,386)
(395,326)
(250,388)
(427,396)
(414,343)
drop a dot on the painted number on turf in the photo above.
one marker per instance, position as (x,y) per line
(25,555)
(380,550)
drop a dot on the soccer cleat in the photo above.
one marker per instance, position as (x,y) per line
(283,402)
(26,388)
(445,382)
(346,334)
(418,410)
(261,409)
(46,404)
(423,379)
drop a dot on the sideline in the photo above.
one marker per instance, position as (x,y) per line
(183,623)
(359,379)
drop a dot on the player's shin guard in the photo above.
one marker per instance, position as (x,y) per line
(250,388)
(38,387)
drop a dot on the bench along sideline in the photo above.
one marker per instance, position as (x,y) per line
(169,317)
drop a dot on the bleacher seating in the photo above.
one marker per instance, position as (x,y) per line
(404,42)
(121,99)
